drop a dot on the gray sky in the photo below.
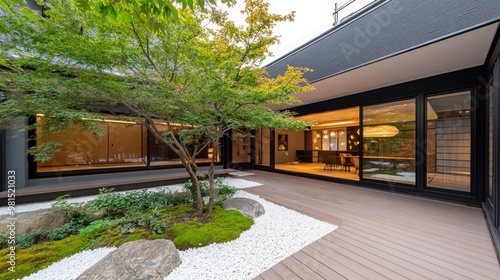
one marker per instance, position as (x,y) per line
(312,17)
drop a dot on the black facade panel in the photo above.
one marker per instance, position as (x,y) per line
(388,28)
(446,82)
(479,143)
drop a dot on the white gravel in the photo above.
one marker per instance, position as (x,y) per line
(274,236)
(71,267)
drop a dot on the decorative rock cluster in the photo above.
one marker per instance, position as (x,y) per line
(39,220)
(142,259)
(246,206)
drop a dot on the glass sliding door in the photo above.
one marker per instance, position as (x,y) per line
(263,147)
(389,142)
(241,146)
(449,141)
(330,148)
(493,188)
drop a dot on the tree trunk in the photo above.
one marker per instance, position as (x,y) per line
(188,162)
(211,175)
(191,169)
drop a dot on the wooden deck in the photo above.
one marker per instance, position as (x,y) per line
(381,235)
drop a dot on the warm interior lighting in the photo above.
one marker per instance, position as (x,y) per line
(116,121)
(109,121)
(380,131)
(98,120)
(336,123)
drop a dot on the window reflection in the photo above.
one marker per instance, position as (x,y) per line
(122,144)
(449,141)
(389,142)
(161,154)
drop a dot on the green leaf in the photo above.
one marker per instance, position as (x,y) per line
(5,6)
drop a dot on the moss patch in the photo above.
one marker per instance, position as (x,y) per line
(225,226)
(40,256)
(116,239)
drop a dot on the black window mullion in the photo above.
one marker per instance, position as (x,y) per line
(421,139)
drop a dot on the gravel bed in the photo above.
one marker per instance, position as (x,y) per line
(277,234)
(71,267)
(274,236)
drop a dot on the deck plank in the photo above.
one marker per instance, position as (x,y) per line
(318,267)
(382,234)
(301,270)
(270,275)
(284,272)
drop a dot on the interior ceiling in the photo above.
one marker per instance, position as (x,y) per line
(463,51)
(398,111)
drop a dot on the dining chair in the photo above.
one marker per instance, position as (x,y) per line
(355,161)
(345,160)
(329,162)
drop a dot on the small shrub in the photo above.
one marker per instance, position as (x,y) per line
(78,213)
(174,199)
(191,188)
(113,204)
(25,240)
(223,191)
(97,227)
(155,223)
(120,205)
(63,232)
(57,234)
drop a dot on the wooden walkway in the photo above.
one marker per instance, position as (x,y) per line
(381,235)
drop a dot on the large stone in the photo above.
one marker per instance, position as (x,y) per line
(39,220)
(142,259)
(246,206)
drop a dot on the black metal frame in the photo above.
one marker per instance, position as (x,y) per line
(492,212)
(496,147)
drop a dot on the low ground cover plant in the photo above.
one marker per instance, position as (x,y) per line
(116,218)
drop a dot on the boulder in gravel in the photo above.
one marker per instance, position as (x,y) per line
(39,220)
(142,259)
(246,206)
